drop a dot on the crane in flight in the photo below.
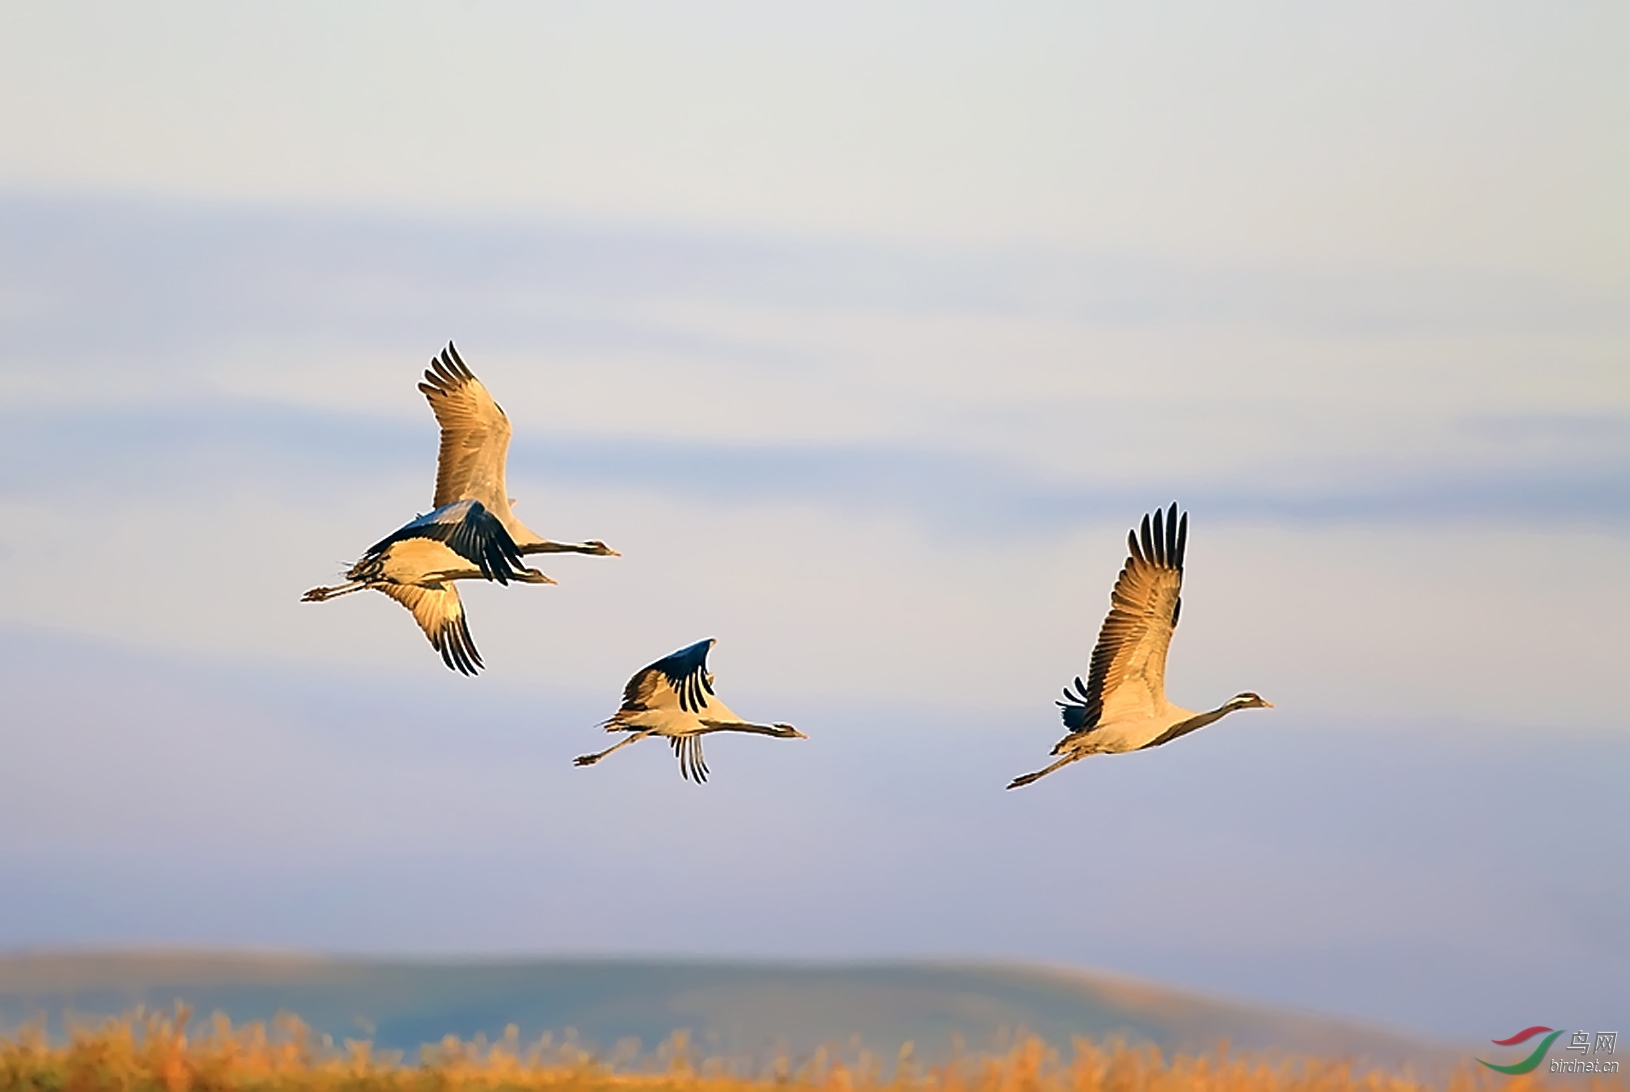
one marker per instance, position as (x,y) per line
(674,698)
(471,531)
(474,447)
(1122,706)
(417,564)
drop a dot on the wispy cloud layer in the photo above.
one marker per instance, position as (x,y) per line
(1015,384)
(827,448)
(1578,474)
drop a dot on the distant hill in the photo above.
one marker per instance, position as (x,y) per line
(729,1007)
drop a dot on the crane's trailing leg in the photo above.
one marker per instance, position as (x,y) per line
(1039,774)
(317,595)
(589,760)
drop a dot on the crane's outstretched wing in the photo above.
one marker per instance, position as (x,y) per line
(474,437)
(1128,669)
(688,749)
(679,680)
(469,530)
(437,609)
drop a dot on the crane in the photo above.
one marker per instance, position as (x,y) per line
(1122,706)
(471,531)
(674,698)
(474,447)
(417,564)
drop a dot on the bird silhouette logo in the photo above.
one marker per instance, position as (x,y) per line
(1530,1063)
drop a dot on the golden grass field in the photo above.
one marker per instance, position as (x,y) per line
(149,1052)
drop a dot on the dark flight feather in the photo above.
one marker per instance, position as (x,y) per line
(469,530)
(1157,543)
(686,672)
(692,766)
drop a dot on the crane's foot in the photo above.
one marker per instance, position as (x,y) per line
(316,595)
(585,760)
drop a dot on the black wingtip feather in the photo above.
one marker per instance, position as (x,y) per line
(692,766)
(455,364)
(479,537)
(1161,538)
(457,649)
(686,672)
(446,372)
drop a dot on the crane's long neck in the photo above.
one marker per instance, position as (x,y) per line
(783,731)
(1210,715)
(1194,723)
(544,546)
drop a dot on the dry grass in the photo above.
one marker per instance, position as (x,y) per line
(155,1053)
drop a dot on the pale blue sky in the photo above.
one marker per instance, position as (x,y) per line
(1462,135)
(865,334)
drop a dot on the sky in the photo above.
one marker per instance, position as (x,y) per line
(865,333)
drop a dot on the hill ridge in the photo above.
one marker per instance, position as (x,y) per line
(731,1006)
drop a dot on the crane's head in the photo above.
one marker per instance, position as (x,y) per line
(787,731)
(1249,700)
(600,549)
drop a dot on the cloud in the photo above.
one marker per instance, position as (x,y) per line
(1581,478)
(1042,377)
(860,467)
(136,274)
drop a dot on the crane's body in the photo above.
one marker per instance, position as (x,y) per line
(674,698)
(471,533)
(1122,706)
